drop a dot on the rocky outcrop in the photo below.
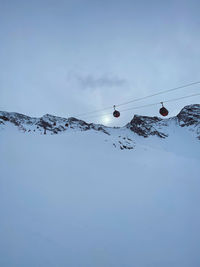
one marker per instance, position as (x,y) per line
(189,116)
(147,126)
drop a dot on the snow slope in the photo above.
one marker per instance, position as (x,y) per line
(75,199)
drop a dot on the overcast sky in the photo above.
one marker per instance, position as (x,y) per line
(66,57)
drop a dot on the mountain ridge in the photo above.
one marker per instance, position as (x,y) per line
(143,126)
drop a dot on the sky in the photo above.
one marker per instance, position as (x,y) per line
(71,57)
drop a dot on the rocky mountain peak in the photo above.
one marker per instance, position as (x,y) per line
(189,115)
(146,126)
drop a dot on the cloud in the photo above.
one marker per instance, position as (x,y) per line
(90,81)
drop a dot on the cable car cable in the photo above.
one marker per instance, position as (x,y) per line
(159,93)
(158,103)
(144,106)
(139,99)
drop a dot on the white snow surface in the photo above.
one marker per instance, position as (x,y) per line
(75,200)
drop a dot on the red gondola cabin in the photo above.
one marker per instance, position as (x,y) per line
(163,111)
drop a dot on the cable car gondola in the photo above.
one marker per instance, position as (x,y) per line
(116,113)
(163,111)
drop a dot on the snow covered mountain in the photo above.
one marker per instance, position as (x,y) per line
(91,196)
(188,118)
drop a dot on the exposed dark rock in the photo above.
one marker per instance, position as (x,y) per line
(145,126)
(189,115)
(101,129)
(4,118)
(44,124)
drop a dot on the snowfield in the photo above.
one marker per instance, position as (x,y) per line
(74,199)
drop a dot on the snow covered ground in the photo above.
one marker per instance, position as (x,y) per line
(75,200)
